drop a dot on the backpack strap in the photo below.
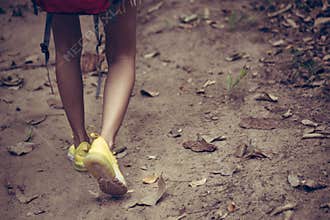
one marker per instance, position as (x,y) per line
(96,20)
(35,7)
(45,45)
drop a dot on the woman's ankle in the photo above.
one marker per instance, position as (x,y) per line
(77,139)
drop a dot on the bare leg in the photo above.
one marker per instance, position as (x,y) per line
(68,45)
(120,51)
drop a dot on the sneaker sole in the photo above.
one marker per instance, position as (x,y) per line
(98,166)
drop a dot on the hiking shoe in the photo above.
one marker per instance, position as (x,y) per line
(76,155)
(103,165)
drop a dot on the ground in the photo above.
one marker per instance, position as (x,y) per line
(189,55)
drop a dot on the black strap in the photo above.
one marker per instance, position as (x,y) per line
(35,7)
(45,45)
(99,42)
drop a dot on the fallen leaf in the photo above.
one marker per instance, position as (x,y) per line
(281,11)
(153,198)
(150,179)
(311,185)
(266,97)
(287,114)
(155,7)
(175,132)
(177,217)
(121,155)
(151,55)
(288,215)
(22,198)
(226,170)
(308,122)
(241,150)
(144,168)
(35,120)
(294,180)
(188,18)
(196,183)
(119,149)
(32,59)
(11,80)
(209,83)
(258,123)
(256,154)
(199,146)
(321,20)
(152,157)
(21,148)
(29,134)
(213,138)
(149,93)
(325,205)
(284,208)
(234,57)
(315,136)
(278,43)
(54,103)
(39,212)
(231,207)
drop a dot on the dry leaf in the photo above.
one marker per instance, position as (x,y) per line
(241,150)
(266,97)
(150,179)
(287,114)
(54,103)
(281,11)
(278,43)
(294,180)
(258,123)
(199,146)
(151,55)
(12,80)
(35,120)
(321,20)
(214,138)
(149,93)
(32,59)
(196,183)
(155,7)
(188,18)
(153,198)
(175,132)
(311,185)
(308,122)
(226,170)
(234,57)
(256,154)
(209,83)
(152,157)
(21,148)
(315,135)
(25,199)
(284,208)
(231,207)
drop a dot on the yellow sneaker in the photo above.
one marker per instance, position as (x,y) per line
(103,165)
(76,155)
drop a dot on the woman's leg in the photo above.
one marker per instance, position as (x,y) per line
(120,51)
(68,46)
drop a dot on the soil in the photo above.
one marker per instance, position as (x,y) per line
(189,55)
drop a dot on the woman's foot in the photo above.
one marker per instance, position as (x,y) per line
(77,155)
(103,165)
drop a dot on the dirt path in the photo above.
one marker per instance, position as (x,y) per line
(190,54)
